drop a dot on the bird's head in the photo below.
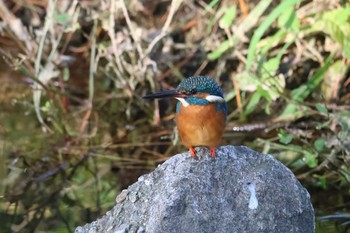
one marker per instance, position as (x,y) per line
(200,90)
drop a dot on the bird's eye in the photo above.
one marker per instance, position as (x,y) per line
(193,91)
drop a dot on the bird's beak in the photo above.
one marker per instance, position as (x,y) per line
(165,94)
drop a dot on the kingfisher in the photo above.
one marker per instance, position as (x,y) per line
(201,112)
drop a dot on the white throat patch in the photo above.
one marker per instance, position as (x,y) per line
(214,98)
(183,101)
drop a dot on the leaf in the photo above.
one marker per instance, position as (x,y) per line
(270,67)
(284,137)
(292,112)
(223,47)
(321,108)
(66,74)
(247,82)
(324,124)
(264,26)
(269,85)
(47,106)
(335,23)
(332,80)
(252,103)
(339,15)
(230,96)
(62,18)
(273,84)
(267,108)
(310,159)
(343,119)
(299,94)
(288,20)
(265,44)
(319,144)
(346,46)
(227,19)
(254,15)
(322,182)
(245,26)
(335,31)
(210,6)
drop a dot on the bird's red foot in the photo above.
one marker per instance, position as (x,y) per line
(212,151)
(193,151)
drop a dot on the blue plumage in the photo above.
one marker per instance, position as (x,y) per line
(202,84)
(198,85)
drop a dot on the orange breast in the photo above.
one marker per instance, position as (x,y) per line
(200,125)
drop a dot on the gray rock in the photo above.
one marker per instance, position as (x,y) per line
(239,191)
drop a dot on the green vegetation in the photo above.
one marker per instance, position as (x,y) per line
(75,131)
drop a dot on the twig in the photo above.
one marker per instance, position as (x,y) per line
(48,24)
(132,31)
(201,68)
(15,25)
(92,63)
(174,6)
(111,34)
(37,87)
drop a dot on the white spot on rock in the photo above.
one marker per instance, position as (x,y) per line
(253,201)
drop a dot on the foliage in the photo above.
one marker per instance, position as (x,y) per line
(74,127)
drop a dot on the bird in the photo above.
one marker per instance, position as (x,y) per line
(201,112)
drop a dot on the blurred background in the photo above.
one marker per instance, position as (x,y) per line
(74,130)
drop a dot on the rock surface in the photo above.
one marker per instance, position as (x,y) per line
(239,191)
